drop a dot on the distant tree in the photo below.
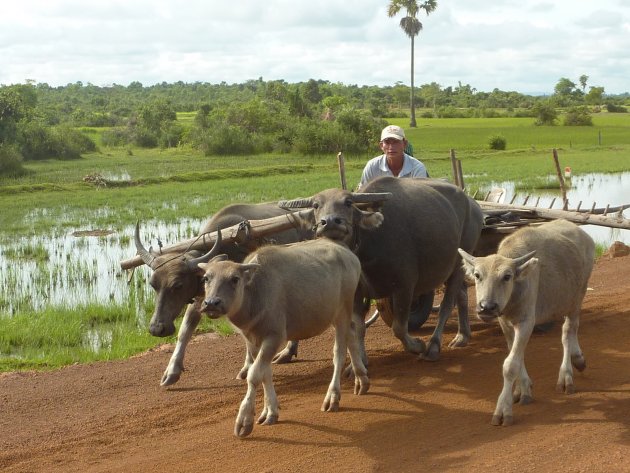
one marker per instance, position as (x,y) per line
(412,27)
(595,96)
(583,80)
(564,87)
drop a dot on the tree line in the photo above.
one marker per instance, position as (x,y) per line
(38,121)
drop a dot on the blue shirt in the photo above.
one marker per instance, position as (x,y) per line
(377,167)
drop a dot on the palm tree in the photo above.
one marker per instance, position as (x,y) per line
(412,27)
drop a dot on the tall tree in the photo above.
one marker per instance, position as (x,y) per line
(412,27)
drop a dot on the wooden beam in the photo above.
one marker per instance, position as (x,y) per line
(571,215)
(241,233)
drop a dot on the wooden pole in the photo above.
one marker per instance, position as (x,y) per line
(454,166)
(240,232)
(560,178)
(342,170)
(460,173)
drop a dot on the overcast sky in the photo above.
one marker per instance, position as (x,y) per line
(518,45)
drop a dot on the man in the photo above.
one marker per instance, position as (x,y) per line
(394,161)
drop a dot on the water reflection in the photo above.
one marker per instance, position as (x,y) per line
(587,189)
(67,270)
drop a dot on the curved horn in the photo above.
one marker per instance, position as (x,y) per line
(522,259)
(146,255)
(366,197)
(296,203)
(192,264)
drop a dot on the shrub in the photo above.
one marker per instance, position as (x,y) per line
(611,107)
(116,137)
(497,142)
(10,161)
(578,116)
(545,113)
(226,140)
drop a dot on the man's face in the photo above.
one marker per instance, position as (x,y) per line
(392,147)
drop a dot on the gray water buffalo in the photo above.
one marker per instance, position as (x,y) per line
(521,290)
(287,292)
(413,252)
(176,282)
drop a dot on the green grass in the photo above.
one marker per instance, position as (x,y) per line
(65,335)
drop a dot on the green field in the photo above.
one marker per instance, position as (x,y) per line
(168,185)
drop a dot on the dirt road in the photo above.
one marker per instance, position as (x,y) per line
(114,417)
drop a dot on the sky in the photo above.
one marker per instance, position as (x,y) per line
(511,45)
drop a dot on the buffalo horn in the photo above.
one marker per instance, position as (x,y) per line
(522,259)
(146,255)
(366,197)
(296,203)
(192,264)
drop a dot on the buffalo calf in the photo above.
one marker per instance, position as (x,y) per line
(287,292)
(539,274)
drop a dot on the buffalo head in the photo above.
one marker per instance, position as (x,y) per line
(175,280)
(495,277)
(338,212)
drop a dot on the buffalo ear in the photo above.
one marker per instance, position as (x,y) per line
(370,220)
(468,262)
(201,269)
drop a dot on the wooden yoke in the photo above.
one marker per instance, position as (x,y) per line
(241,233)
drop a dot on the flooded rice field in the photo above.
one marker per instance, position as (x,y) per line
(83,266)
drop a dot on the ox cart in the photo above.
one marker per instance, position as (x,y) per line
(500,219)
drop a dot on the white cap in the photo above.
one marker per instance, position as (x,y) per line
(393,131)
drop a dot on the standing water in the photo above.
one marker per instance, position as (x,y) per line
(589,189)
(78,268)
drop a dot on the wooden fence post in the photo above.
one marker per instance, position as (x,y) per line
(342,170)
(560,178)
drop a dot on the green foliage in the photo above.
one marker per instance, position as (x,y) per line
(38,142)
(497,142)
(578,116)
(545,112)
(613,108)
(10,161)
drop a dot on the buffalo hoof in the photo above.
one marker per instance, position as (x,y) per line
(361,385)
(169,379)
(432,352)
(331,403)
(502,420)
(243,430)
(567,388)
(459,341)
(268,419)
(286,355)
(525,399)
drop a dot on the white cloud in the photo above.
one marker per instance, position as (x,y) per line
(500,44)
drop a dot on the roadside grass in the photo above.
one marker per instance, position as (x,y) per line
(61,336)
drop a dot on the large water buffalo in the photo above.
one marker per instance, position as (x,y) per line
(413,252)
(176,282)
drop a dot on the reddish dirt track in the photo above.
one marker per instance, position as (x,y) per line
(114,417)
